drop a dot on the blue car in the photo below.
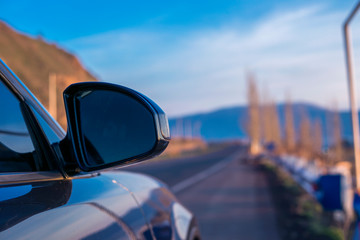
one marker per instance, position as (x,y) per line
(63,185)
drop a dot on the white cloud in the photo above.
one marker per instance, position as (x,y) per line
(202,69)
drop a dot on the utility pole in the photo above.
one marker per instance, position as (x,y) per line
(52,95)
(352,96)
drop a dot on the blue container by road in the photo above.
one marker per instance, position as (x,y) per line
(330,192)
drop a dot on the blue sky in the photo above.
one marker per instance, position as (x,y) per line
(192,56)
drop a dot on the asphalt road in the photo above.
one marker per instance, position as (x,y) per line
(229,197)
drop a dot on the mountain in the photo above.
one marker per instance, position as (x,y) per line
(229,123)
(34,59)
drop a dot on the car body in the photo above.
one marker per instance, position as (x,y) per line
(62,199)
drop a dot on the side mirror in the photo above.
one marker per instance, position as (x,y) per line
(110,125)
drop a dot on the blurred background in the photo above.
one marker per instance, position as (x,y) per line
(255,85)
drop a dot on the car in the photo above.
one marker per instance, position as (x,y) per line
(66,185)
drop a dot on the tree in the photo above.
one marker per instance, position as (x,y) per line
(337,136)
(290,141)
(253,125)
(306,144)
(334,130)
(275,124)
(318,138)
(270,122)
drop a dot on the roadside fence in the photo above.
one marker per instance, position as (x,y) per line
(332,187)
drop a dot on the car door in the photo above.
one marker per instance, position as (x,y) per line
(37,199)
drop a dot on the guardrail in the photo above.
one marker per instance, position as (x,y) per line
(331,187)
(300,170)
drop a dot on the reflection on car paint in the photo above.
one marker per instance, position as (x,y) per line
(167,217)
(7,193)
(19,208)
(70,222)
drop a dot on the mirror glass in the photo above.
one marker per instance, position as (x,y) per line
(114,126)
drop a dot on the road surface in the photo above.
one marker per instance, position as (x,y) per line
(230,198)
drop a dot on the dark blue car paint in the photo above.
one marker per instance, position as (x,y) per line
(106,205)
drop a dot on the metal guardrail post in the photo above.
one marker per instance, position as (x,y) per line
(352,96)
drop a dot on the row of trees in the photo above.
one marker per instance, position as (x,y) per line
(264,128)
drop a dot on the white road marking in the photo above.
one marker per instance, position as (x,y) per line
(204,174)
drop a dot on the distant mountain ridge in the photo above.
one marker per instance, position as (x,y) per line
(229,123)
(34,59)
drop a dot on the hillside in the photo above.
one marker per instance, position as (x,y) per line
(229,123)
(33,59)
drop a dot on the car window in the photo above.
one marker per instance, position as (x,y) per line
(49,132)
(17,152)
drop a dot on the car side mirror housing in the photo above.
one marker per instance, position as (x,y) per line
(111,125)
